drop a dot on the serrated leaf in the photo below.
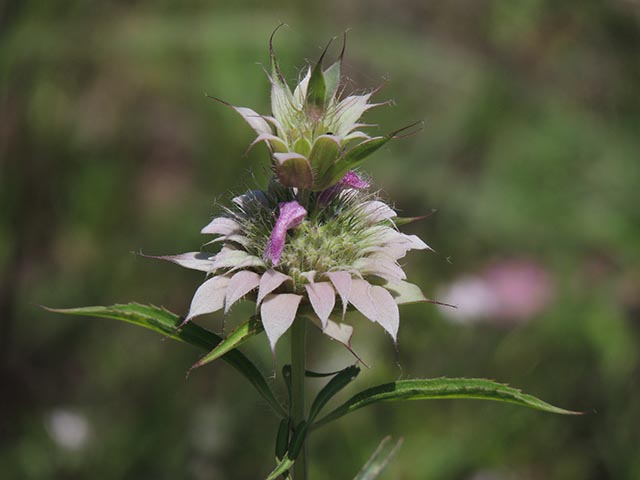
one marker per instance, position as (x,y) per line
(237,337)
(379,459)
(440,388)
(337,383)
(165,322)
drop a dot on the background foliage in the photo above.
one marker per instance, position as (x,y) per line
(530,153)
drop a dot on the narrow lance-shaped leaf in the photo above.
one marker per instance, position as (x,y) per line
(237,337)
(297,439)
(282,438)
(379,459)
(332,74)
(337,383)
(312,374)
(439,388)
(400,221)
(275,68)
(295,446)
(358,154)
(317,87)
(285,464)
(352,159)
(167,323)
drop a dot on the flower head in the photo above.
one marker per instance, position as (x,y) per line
(294,260)
(316,242)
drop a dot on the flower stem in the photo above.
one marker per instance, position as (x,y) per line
(298,333)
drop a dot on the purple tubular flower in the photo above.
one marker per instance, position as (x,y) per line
(353,180)
(291,215)
(350,180)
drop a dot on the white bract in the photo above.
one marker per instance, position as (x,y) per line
(348,248)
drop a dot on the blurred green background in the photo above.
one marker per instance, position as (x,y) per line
(530,154)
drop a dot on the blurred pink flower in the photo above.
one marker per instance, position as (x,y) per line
(509,291)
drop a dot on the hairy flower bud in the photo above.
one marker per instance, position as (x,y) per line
(315,137)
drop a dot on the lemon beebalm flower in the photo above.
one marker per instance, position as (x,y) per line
(316,242)
(291,259)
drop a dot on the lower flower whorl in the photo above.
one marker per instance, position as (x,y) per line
(294,256)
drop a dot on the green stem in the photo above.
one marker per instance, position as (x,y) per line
(298,333)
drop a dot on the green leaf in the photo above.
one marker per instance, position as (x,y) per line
(379,459)
(358,154)
(302,146)
(293,170)
(332,81)
(399,221)
(297,439)
(276,74)
(312,374)
(351,159)
(317,86)
(337,383)
(241,334)
(165,322)
(282,438)
(438,388)
(332,74)
(285,464)
(325,151)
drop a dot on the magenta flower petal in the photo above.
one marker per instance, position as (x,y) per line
(350,180)
(353,180)
(291,215)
